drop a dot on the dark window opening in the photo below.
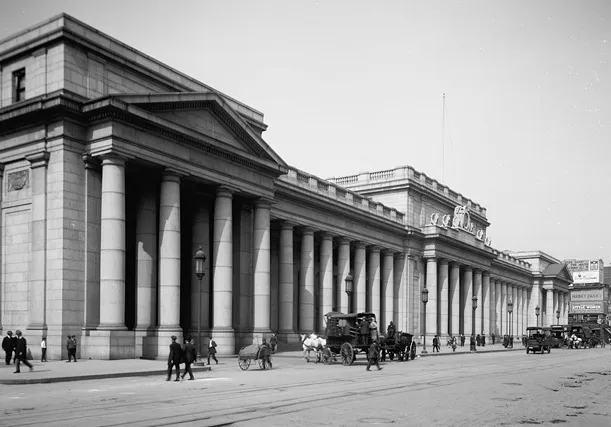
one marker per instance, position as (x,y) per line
(19,85)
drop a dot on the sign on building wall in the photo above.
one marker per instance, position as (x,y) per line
(586,271)
(586,307)
(587,295)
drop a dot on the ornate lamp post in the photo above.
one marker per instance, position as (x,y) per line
(510,311)
(200,259)
(537,312)
(349,289)
(425,299)
(558,317)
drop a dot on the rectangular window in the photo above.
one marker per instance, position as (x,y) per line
(19,85)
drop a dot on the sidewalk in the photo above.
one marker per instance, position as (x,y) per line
(62,371)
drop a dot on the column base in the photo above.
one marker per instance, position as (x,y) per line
(225,341)
(34,334)
(141,334)
(108,345)
(157,344)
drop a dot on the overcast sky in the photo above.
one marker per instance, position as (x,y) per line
(353,86)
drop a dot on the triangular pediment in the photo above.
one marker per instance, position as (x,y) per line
(210,115)
(558,271)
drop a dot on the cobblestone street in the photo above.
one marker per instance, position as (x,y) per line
(569,387)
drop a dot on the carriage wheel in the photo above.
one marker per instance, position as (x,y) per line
(412,351)
(347,354)
(244,364)
(327,357)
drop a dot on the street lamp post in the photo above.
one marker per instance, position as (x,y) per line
(472,341)
(558,317)
(200,259)
(510,311)
(425,299)
(537,312)
(349,280)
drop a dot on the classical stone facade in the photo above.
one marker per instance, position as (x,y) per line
(116,168)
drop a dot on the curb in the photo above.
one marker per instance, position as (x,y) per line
(502,350)
(19,381)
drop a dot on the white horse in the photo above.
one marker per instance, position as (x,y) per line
(310,343)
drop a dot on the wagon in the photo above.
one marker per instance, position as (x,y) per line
(261,353)
(344,337)
(401,345)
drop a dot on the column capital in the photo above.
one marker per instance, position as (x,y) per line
(325,235)
(225,191)
(399,255)
(307,231)
(38,160)
(287,225)
(263,203)
(443,261)
(374,248)
(343,240)
(468,268)
(91,162)
(113,159)
(360,245)
(388,252)
(486,274)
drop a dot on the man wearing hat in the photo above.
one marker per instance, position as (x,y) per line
(21,351)
(190,356)
(174,359)
(8,347)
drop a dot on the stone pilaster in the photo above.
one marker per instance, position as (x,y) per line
(443,292)
(243,275)
(516,310)
(432,328)
(400,301)
(93,197)
(326,279)
(200,289)
(262,267)
(146,266)
(477,291)
(504,300)
(498,324)
(222,255)
(454,299)
(287,327)
(359,295)
(343,269)
(388,288)
(37,325)
(373,282)
(486,303)
(306,282)
(467,307)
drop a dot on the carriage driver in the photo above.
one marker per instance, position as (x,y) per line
(391,330)
(364,330)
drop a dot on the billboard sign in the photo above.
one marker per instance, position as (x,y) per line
(587,295)
(586,271)
(586,307)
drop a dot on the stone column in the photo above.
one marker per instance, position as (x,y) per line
(555,294)
(373,282)
(37,325)
(146,265)
(112,245)
(388,290)
(477,291)
(486,303)
(169,255)
(431,307)
(286,281)
(498,325)
(262,267)
(222,255)
(443,294)
(562,309)
(467,284)
(454,299)
(504,300)
(326,279)
(343,269)
(359,278)
(400,300)
(200,289)
(306,282)
(535,300)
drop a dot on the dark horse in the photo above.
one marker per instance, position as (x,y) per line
(395,346)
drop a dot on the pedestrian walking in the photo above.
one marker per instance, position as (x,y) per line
(274,343)
(21,351)
(462,340)
(71,347)
(435,344)
(190,356)
(8,346)
(212,351)
(472,344)
(43,349)
(174,359)
(478,340)
(373,356)
(453,344)
(493,337)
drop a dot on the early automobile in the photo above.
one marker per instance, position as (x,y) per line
(539,339)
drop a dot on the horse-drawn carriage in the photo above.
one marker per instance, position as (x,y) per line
(344,337)
(400,344)
(261,353)
(582,337)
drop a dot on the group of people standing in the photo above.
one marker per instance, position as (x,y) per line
(16,348)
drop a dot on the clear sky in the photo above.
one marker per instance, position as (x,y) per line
(353,86)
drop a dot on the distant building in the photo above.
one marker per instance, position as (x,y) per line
(589,293)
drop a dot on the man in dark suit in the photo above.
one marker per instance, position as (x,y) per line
(174,359)
(190,356)
(373,356)
(21,351)
(7,346)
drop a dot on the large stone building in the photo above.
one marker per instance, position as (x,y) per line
(117,168)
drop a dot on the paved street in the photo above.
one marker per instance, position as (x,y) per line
(569,387)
